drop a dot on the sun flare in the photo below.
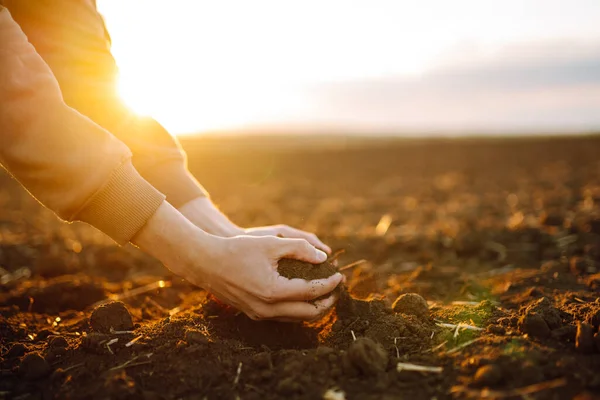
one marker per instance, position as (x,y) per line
(197,66)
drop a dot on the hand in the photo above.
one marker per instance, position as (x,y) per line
(204,214)
(285,231)
(241,271)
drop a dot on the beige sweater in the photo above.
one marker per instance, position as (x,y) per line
(69,163)
(71,37)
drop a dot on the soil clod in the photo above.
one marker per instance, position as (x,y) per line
(291,268)
(412,304)
(111,316)
(534,325)
(367,356)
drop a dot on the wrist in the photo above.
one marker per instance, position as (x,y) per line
(172,239)
(205,215)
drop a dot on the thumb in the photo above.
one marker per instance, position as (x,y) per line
(300,249)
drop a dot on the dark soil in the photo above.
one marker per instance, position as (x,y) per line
(291,268)
(501,236)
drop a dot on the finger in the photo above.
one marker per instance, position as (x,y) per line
(300,249)
(301,290)
(300,310)
(309,237)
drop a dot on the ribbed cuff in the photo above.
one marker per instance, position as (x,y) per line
(123,206)
(175,181)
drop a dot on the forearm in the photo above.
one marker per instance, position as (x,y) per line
(180,245)
(70,164)
(204,214)
(70,36)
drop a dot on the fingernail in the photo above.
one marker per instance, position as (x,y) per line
(321,256)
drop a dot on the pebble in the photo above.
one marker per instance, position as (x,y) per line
(584,341)
(412,304)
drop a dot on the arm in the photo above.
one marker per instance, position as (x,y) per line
(241,271)
(202,212)
(68,163)
(71,38)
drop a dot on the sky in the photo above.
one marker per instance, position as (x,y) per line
(372,67)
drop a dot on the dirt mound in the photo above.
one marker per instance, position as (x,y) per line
(373,319)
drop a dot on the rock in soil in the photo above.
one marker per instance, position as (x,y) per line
(584,341)
(488,375)
(412,304)
(368,357)
(34,367)
(111,316)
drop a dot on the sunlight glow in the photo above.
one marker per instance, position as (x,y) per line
(201,65)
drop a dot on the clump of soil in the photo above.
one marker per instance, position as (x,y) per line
(367,356)
(111,316)
(292,268)
(540,318)
(375,320)
(413,304)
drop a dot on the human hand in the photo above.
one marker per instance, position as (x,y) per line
(285,231)
(204,214)
(240,271)
(243,273)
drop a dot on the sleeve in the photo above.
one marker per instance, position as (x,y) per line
(72,39)
(66,161)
